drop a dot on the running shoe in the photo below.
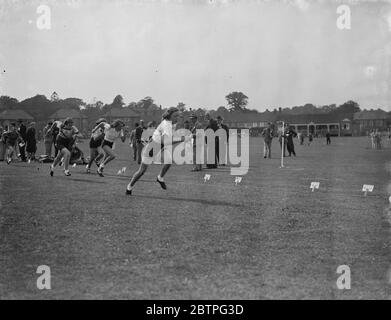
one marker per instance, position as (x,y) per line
(51,171)
(128,192)
(88,170)
(67,173)
(100,172)
(162,184)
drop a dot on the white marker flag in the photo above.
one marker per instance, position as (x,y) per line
(367,188)
(207,177)
(314,185)
(238,180)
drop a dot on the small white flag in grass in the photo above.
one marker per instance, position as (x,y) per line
(74,165)
(29,161)
(367,188)
(121,171)
(207,177)
(314,185)
(238,180)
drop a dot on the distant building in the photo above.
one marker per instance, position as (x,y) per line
(128,116)
(79,119)
(10,116)
(249,120)
(317,124)
(366,121)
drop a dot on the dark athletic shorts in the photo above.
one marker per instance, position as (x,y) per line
(107,143)
(62,143)
(95,143)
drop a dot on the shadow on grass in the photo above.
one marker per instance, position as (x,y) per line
(201,201)
(86,180)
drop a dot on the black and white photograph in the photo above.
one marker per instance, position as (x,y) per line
(214,150)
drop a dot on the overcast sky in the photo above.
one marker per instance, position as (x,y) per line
(279,53)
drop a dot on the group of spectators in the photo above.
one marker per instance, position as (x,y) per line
(285,136)
(376,139)
(18,137)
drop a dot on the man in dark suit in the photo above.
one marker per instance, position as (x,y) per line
(224,144)
(23,133)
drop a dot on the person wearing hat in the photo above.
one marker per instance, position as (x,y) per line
(31,141)
(48,138)
(290,134)
(222,125)
(212,124)
(197,142)
(267,135)
(65,139)
(162,137)
(97,136)
(112,132)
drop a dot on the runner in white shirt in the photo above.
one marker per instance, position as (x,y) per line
(161,138)
(112,132)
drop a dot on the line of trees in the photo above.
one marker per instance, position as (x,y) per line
(41,108)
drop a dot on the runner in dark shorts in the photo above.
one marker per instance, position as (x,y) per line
(64,141)
(97,137)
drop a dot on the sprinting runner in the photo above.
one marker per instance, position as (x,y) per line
(96,141)
(161,137)
(112,132)
(64,142)
(10,139)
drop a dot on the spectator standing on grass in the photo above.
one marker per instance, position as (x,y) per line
(372,137)
(310,138)
(197,143)
(133,142)
(31,141)
(22,132)
(213,126)
(267,135)
(377,137)
(301,139)
(290,134)
(139,142)
(328,140)
(48,138)
(2,147)
(222,125)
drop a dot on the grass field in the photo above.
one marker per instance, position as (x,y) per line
(268,238)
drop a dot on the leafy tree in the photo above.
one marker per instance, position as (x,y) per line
(145,104)
(72,103)
(181,106)
(237,101)
(7,102)
(118,102)
(348,107)
(38,106)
